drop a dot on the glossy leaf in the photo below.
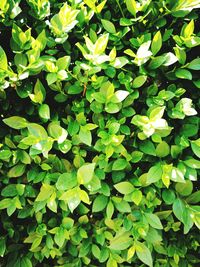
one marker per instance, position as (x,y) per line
(85,173)
(156,43)
(143,253)
(16,122)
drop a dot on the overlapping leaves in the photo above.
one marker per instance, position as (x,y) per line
(99,149)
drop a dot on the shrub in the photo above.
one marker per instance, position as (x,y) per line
(99,148)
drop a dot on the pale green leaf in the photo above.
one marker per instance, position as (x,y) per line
(143,253)
(154,174)
(139,81)
(85,173)
(121,241)
(119,164)
(124,187)
(3,60)
(136,196)
(108,26)
(16,122)
(156,43)
(153,220)
(131,6)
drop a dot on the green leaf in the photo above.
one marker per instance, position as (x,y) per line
(51,78)
(184,189)
(60,237)
(9,191)
(63,62)
(37,241)
(64,21)
(37,131)
(168,196)
(17,171)
(39,93)
(131,252)
(108,26)
(90,3)
(154,174)
(193,41)
(66,181)
(170,59)
(46,191)
(85,135)
(44,111)
(2,246)
(94,184)
(121,241)
(182,214)
(156,62)
(119,164)
(136,196)
(74,89)
(194,198)
(147,147)
(162,149)
(156,43)
(192,163)
(153,220)
(73,128)
(3,60)
(131,6)
(5,203)
(177,175)
(72,197)
(123,206)
(25,262)
(100,6)
(136,156)
(5,154)
(194,64)
(101,44)
(111,263)
(96,251)
(99,203)
(188,29)
(139,81)
(51,203)
(183,74)
(110,210)
(84,196)
(180,54)
(179,210)
(143,253)
(112,108)
(124,188)
(119,62)
(195,147)
(65,146)
(85,173)
(16,122)
(156,113)
(57,132)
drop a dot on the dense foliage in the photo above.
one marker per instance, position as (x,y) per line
(99,145)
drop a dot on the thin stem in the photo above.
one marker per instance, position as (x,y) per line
(70,72)
(120,8)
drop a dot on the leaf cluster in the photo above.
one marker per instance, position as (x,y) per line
(99,133)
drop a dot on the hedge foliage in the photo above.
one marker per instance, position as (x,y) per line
(99,150)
